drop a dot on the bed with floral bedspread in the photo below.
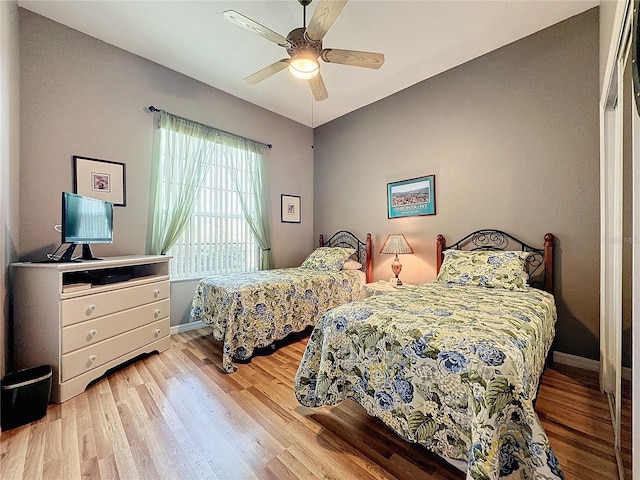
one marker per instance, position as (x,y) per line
(449,366)
(251,310)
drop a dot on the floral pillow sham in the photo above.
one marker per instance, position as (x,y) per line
(328,258)
(492,269)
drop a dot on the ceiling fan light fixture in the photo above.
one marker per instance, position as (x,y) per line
(304,66)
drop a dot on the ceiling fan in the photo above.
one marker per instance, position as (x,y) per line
(304,46)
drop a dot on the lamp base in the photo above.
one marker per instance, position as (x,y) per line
(396,268)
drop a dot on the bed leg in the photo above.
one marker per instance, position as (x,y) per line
(549,361)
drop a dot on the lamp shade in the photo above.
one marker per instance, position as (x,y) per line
(396,244)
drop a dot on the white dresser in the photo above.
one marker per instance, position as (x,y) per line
(87,317)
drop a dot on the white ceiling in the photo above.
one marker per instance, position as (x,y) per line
(418,38)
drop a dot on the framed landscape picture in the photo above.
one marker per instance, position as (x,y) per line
(408,198)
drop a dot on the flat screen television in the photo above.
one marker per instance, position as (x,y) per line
(85,220)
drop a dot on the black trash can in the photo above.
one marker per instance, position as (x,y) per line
(25,396)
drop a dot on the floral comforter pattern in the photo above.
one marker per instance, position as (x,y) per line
(453,368)
(254,309)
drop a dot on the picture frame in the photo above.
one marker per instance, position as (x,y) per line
(102,179)
(412,197)
(289,208)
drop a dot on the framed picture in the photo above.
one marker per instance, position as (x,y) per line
(290,208)
(408,198)
(101,179)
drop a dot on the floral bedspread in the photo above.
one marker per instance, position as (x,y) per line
(453,368)
(253,309)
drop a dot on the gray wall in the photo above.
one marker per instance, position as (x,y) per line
(81,96)
(513,139)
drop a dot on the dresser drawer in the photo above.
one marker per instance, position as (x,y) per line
(87,358)
(87,307)
(91,332)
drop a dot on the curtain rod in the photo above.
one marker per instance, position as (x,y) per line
(153,109)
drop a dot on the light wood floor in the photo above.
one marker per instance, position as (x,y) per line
(177,416)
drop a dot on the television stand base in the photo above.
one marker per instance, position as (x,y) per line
(67,255)
(87,254)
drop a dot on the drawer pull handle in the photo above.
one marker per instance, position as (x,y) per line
(93,332)
(156,313)
(91,309)
(156,332)
(156,292)
(93,358)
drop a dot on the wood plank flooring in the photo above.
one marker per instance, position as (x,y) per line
(177,416)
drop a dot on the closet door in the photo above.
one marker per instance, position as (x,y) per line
(635,253)
(635,298)
(615,279)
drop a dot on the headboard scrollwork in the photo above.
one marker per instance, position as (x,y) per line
(364,250)
(539,265)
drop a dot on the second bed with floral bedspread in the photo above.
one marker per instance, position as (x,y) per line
(253,310)
(454,368)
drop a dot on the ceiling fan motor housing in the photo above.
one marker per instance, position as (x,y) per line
(299,43)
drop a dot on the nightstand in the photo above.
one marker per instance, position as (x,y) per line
(382,288)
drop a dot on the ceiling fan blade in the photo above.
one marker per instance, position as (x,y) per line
(353,58)
(318,88)
(323,17)
(266,72)
(253,26)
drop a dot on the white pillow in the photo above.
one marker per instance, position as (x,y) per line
(351,265)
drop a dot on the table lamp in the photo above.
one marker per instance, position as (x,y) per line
(396,244)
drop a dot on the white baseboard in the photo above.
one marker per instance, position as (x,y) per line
(575,361)
(584,363)
(185,327)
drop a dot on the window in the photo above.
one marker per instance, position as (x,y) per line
(207,203)
(217,238)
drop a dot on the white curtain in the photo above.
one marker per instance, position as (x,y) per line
(247,158)
(179,169)
(184,154)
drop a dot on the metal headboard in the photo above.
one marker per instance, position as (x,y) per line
(539,265)
(364,250)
